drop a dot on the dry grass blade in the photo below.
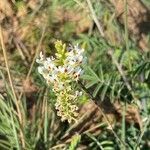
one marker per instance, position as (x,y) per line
(11,85)
(36,53)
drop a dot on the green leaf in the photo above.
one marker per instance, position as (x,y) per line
(97,89)
(74,142)
(93,73)
(87,77)
(90,84)
(103,93)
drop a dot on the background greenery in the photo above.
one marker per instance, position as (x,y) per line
(115,112)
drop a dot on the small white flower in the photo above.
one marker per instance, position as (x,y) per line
(61,86)
(49,65)
(41,59)
(77,93)
(41,55)
(49,60)
(69,69)
(53,78)
(41,70)
(61,69)
(78,74)
(78,49)
(72,63)
(80,58)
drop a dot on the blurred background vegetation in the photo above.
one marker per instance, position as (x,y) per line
(116,38)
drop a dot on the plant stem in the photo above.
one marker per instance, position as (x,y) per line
(99,26)
(126,29)
(126,24)
(124,126)
(101,111)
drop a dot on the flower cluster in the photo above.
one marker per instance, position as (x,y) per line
(60,71)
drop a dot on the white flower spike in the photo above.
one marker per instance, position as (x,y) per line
(61,72)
